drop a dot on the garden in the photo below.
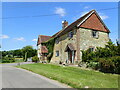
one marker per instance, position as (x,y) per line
(106,59)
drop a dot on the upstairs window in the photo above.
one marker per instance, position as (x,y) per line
(57,53)
(71,34)
(95,34)
(57,40)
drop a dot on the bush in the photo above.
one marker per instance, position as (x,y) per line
(116,61)
(110,50)
(35,59)
(50,46)
(49,56)
(110,65)
(93,65)
(8,60)
(106,65)
(82,64)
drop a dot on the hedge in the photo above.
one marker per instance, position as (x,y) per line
(8,60)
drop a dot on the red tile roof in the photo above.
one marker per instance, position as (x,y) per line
(77,22)
(42,38)
(44,49)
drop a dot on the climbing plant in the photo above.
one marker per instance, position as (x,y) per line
(50,46)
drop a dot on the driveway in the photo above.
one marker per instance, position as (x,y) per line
(13,77)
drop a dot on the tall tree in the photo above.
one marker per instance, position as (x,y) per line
(17,53)
(28,51)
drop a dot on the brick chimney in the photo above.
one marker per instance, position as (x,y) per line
(64,24)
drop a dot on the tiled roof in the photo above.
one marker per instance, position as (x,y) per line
(70,47)
(42,38)
(44,49)
(76,23)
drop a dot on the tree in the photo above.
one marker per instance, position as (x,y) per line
(17,53)
(4,53)
(28,51)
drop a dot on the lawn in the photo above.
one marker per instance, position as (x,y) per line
(74,76)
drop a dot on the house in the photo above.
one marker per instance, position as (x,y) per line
(42,50)
(88,32)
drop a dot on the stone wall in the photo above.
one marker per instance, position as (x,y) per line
(84,41)
(40,55)
(87,40)
(38,50)
(63,41)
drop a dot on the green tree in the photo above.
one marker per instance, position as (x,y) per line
(4,53)
(28,51)
(17,53)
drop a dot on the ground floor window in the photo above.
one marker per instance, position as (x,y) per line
(91,49)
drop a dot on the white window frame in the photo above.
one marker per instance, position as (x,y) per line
(91,49)
(57,53)
(95,34)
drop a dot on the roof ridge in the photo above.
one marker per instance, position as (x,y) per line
(44,35)
(73,23)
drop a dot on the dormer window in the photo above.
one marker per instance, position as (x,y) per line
(95,34)
(71,34)
(57,40)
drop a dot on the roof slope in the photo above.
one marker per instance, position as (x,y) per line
(42,38)
(79,22)
(44,49)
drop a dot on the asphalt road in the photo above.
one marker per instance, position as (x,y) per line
(13,77)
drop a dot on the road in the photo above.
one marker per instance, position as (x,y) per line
(13,77)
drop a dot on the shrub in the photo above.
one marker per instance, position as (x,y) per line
(116,61)
(110,50)
(50,46)
(110,65)
(8,60)
(93,65)
(49,56)
(82,64)
(35,59)
(106,65)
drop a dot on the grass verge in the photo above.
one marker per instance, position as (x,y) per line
(73,76)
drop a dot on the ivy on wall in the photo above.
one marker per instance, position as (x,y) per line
(50,46)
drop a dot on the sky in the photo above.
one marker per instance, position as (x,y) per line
(22,22)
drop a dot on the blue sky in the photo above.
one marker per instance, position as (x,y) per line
(22,31)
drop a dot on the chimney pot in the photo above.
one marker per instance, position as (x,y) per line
(64,24)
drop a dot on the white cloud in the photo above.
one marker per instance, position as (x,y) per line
(4,36)
(20,39)
(34,40)
(34,45)
(103,16)
(86,7)
(60,11)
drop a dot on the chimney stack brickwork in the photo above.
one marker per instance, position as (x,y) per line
(64,24)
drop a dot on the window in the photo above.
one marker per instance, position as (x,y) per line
(95,34)
(57,40)
(71,34)
(91,49)
(57,53)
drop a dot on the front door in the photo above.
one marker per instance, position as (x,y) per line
(70,56)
